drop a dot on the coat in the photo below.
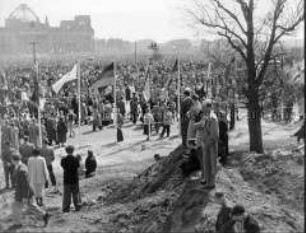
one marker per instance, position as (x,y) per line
(51,129)
(185,107)
(21,177)
(26,151)
(48,153)
(37,169)
(70,164)
(61,132)
(90,165)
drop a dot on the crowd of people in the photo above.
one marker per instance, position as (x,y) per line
(203,127)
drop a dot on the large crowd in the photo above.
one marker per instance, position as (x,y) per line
(27,158)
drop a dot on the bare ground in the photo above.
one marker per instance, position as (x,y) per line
(133,193)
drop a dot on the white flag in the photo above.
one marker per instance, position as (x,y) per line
(70,76)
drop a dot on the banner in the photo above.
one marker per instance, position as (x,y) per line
(69,77)
(106,78)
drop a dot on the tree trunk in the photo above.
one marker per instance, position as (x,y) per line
(254,122)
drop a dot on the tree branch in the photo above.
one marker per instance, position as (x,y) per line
(278,9)
(289,29)
(234,46)
(231,14)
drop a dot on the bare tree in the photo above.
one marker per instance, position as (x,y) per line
(253,32)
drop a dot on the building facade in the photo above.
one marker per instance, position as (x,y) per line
(23,27)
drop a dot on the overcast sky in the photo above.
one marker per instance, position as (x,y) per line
(160,20)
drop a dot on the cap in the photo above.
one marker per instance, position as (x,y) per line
(238,210)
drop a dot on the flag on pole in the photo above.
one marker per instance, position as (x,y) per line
(69,77)
(146,91)
(106,78)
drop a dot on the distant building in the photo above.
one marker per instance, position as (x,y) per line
(23,27)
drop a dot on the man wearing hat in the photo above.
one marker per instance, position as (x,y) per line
(209,136)
(186,105)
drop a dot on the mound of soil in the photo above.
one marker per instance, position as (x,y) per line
(144,203)
(281,175)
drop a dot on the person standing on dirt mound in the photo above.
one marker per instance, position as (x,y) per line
(71,164)
(38,175)
(186,105)
(209,136)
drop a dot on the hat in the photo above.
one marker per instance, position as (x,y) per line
(238,210)
(36,151)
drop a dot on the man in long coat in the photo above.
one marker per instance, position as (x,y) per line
(209,136)
(186,105)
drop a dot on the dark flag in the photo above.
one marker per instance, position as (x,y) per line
(106,78)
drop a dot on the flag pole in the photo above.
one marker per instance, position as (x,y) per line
(115,99)
(179,95)
(38,108)
(79,95)
(149,131)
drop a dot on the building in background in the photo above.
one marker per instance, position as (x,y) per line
(23,27)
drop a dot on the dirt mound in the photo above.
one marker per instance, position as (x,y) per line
(280,175)
(144,203)
(195,210)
